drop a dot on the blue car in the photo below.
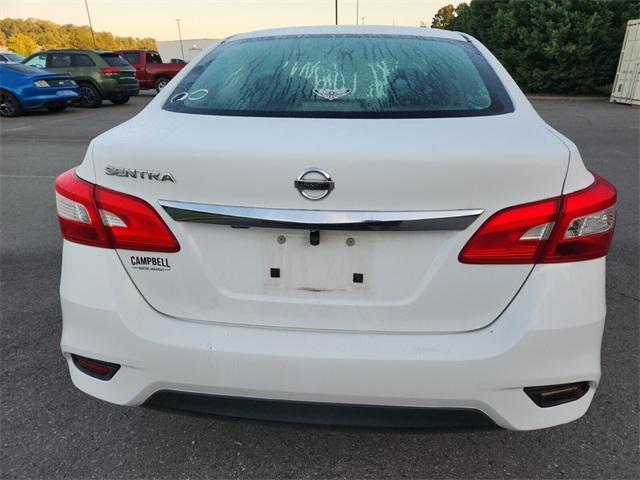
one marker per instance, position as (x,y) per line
(28,88)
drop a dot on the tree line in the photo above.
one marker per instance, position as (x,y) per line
(32,35)
(556,46)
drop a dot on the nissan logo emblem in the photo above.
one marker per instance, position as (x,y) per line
(314,184)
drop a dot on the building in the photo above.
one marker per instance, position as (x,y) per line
(171,49)
(626,88)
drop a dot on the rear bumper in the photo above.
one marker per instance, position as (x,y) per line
(41,100)
(130,89)
(550,334)
(321,413)
(113,89)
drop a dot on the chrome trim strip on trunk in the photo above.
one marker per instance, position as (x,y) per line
(244,217)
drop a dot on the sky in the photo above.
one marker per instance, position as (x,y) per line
(217,18)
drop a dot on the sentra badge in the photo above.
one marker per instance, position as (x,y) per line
(140,174)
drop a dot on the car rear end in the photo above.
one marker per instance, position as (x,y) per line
(54,91)
(45,90)
(117,76)
(338,216)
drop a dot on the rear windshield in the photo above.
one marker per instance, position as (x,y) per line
(344,76)
(114,60)
(14,57)
(21,68)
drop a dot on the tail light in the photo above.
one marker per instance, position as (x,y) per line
(94,215)
(573,227)
(110,71)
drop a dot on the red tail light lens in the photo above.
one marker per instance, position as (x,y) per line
(132,223)
(110,71)
(513,235)
(569,228)
(77,214)
(93,215)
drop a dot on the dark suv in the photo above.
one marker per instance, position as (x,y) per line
(101,75)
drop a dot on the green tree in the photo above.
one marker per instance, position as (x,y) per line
(22,44)
(80,38)
(444,18)
(461,20)
(48,35)
(106,41)
(148,43)
(557,46)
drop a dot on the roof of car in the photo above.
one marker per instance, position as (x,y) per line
(76,50)
(352,30)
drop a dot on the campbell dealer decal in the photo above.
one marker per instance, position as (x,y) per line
(158,264)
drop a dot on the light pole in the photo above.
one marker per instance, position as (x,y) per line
(93,35)
(180,37)
(357,11)
(336,12)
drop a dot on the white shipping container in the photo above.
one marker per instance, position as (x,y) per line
(626,87)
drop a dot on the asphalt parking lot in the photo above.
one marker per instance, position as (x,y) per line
(50,430)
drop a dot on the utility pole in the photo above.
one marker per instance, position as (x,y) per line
(93,35)
(336,12)
(357,11)
(180,37)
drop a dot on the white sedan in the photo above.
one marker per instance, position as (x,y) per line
(347,225)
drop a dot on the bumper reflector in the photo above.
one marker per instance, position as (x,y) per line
(553,395)
(95,368)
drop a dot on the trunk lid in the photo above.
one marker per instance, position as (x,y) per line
(399,281)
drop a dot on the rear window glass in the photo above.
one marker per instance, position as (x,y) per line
(114,60)
(59,60)
(38,61)
(154,58)
(347,76)
(13,57)
(131,57)
(21,68)
(81,60)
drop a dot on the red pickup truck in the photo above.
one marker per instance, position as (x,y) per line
(150,70)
